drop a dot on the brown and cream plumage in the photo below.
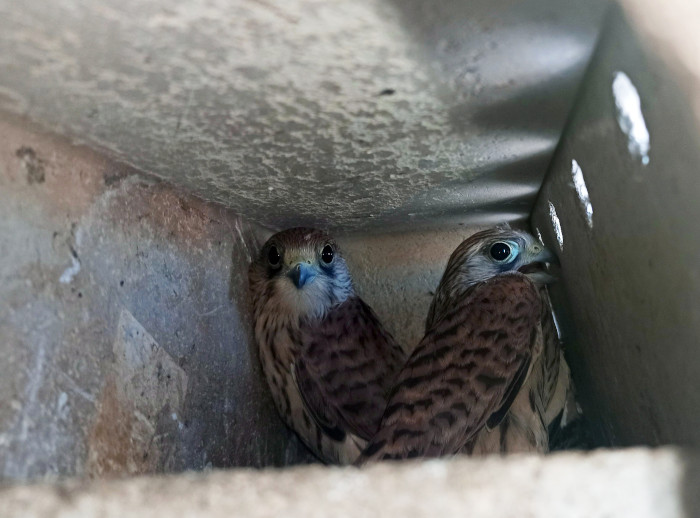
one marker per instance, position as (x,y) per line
(327,359)
(487,376)
(547,394)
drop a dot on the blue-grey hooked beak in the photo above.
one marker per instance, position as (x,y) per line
(535,266)
(301,274)
(546,256)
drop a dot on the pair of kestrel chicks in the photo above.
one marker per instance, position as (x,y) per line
(488,376)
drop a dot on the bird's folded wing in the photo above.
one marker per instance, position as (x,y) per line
(345,367)
(466,370)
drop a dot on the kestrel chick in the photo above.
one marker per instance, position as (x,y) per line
(326,357)
(488,375)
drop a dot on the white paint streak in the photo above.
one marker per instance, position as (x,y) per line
(582,191)
(70,272)
(556,225)
(630,117)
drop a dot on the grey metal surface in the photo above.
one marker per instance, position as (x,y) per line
(632,277)
(349,114)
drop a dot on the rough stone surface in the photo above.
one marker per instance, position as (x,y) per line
(126,343)
(632,279)
(348,114)
(639,483)
(125,334)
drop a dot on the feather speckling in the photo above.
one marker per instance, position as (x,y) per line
(489,375)
(327,359)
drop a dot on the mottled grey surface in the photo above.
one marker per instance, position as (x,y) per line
(352,114)
(126,344)
(126,339)
(632,279)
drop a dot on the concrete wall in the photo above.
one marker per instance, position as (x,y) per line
(125,336)
(631,272)
(126,339)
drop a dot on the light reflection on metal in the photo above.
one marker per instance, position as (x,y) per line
(582,191)
(630,117)
(556,225)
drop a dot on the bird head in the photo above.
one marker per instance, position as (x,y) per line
(496,251)
(487,254)
(303,270)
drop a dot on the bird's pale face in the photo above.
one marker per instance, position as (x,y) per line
(485,255)
(493,252)
(304,271)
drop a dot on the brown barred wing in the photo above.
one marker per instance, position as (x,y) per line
(465,372)
(346,366)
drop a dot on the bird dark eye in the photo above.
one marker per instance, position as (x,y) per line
(500,251)
(273,256)
(327,254)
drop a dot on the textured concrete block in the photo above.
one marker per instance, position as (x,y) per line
(639,483)
(123,315)
(123,311)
